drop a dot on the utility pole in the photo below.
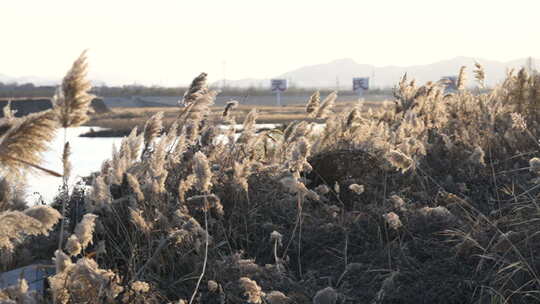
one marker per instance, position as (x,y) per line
(224,66)
(530,66)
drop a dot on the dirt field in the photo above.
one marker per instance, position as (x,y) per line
(120,121)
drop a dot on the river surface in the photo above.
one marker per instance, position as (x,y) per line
(87,154)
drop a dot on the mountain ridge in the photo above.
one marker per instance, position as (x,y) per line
(338,73)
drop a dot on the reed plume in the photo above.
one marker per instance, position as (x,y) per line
(138,221)
(73,245)
(241,173)
(85,229)
(185,185)
(205,202)
(462,78)
(326,106)
(72,100)
(135,187)
(400,160)
(203,175)
(252,290)
(358,189)
(15,225)
(313,103)
(392,219)
(100,195)
(26,140)
(248,131)
(152,129)
(83,282)
(195,90)
(228,107)
(479,74)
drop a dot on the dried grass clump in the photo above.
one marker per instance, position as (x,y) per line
(358,189)
(19,294)
(534,164)
(399,160)
(393,220)
(84,282)
(15,225)
(252,290)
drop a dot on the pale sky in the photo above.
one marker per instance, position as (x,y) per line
(169,42)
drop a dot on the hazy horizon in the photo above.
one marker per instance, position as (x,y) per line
(168,43)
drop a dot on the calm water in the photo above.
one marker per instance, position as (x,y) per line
(87,156)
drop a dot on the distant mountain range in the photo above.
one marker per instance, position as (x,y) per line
(339,73)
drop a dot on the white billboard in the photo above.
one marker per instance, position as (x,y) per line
(278,85)
(360,84)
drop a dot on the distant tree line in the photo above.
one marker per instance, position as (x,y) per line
(14,90)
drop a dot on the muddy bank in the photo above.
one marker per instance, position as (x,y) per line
(25,106)
(106,133)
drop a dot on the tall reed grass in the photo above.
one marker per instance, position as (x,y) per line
(431,198)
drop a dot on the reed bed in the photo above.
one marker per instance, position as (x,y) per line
(431,199)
